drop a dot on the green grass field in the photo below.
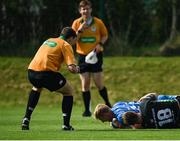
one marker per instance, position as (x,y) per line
(46,125)
(127,78)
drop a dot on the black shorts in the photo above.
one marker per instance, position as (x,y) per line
(46,79)
(85,67)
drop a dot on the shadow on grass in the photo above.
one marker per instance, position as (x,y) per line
(131,130)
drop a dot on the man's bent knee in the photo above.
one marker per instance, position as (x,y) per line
(36,89)
(66,90)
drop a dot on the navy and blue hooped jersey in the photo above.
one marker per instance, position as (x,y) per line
(161,113)
(121,107)
(166,97)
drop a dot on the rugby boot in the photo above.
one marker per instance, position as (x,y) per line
(25,124)
(67,128)
(86,114)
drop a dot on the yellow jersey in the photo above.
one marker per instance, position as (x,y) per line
(51,54)
(91,36)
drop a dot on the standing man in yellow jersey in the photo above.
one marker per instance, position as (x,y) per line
(43,73)
(92,34)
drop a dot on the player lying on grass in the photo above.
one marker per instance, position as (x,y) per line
(151,111)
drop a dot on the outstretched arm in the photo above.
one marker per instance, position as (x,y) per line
(152,96)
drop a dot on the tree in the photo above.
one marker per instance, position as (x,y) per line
(174,21)
(170,47)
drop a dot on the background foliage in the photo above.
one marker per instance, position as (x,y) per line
(135,26)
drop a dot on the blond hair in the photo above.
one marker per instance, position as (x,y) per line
(100,110)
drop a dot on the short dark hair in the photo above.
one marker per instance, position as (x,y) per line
(131,118)
(68,32)
(85,3)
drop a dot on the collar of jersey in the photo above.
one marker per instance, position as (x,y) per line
(81,21)
(61,37)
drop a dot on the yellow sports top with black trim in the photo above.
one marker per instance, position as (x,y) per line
(91,36)
(52,53)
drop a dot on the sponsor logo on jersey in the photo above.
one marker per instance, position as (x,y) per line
(88,39)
